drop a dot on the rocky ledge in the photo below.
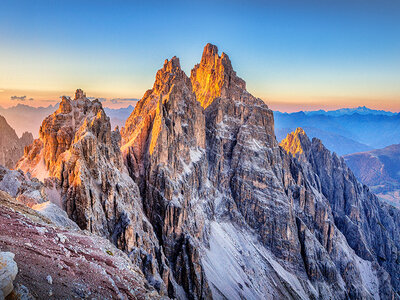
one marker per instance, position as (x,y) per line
(62,264)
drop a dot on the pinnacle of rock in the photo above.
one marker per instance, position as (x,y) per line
(170,82)
(214,77)
(209,53)
(79,94)
(296,142)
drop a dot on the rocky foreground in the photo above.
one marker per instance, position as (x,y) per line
(199,195)
(56,263)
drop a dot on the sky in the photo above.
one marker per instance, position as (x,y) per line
(295,55)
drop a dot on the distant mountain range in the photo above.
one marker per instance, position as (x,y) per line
(119,116)
(24,118)
(344,131)
(361,110)
(380,170)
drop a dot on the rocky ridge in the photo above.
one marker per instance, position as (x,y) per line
(213,207)
(12,147)
(164,149)
(216,185)
(79,155)
(371,227)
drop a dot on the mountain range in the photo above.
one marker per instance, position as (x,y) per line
(194,198)
(344,131)
(24,118)
(380,170)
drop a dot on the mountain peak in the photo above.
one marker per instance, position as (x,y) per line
(296,142)
(170,65)
(209,53)
(79,94)
(214,77)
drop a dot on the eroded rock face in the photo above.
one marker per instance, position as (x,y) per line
(12,147)
(165,153)
(237,215)
(216,208)
(370,226)
(79,153)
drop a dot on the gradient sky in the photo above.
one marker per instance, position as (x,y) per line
(293,54)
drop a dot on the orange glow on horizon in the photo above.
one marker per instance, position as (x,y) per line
(282,103)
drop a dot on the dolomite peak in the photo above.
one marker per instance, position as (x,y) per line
(214,77)
(296,142)
(80,154)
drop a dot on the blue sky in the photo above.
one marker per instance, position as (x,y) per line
(294,54)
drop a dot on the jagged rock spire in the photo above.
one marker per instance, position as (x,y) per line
(296,142)
(214,77)
(144,121)
(79,94)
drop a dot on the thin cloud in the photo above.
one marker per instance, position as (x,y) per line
(49,100)
(18,98)
(122,100)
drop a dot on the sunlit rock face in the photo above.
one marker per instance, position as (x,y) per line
(214,77)
(293,143)
(237,215)
(165,153)
(12,147)
(78,152)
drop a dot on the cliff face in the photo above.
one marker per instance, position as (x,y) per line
(238,215)
(214,77)
(370,226)
(79,154)
(165,153)
(11,147)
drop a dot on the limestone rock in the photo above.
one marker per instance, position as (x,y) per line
(366,222)
(214,77)
(83,266)
(237,215)
(164,148)
(8,272)
(213,207)
(80,155)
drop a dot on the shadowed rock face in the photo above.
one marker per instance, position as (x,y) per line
(236,214)
(370,226)
(79,153)
(12,147)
